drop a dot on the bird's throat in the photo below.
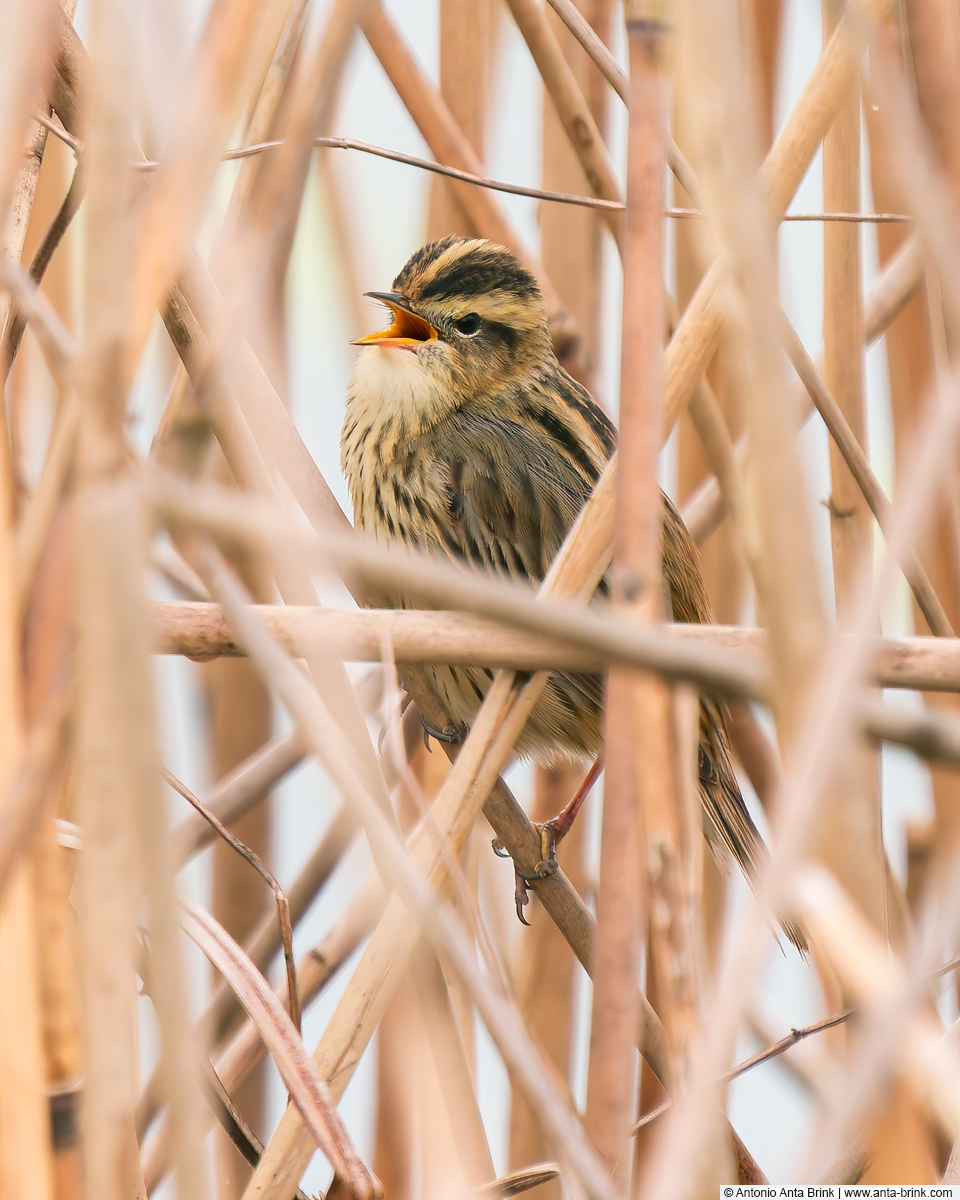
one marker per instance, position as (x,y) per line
(394,395)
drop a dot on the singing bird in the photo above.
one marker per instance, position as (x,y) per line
(464,436)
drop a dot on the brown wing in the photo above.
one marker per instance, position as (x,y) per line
(504,497)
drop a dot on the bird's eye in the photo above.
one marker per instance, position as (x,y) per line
(468,325)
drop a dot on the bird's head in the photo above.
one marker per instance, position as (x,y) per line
(466,313)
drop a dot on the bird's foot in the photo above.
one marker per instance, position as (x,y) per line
(550,833)
(546,867)
(450,737)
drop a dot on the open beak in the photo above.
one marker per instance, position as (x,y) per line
(407,332)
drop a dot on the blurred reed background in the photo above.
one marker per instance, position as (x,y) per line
(204,775)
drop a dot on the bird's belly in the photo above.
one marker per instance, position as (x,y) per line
(564,724)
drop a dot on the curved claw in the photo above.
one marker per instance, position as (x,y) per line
(450,737)
(499,849)
(521,899)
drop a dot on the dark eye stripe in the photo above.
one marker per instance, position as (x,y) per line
(506,334)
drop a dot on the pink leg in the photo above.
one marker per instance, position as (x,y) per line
(560,825)
(551,833)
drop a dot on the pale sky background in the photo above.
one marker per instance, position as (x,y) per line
(386,206)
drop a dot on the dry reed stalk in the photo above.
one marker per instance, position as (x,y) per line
(933,29)
(23,218)
(570,240)
(26,1166)
(843,374)
(26,35)
(937,222)
(843,336)
(281,27)
(544,971)
(466,58)
(607,65)
(766,30)
(898,282)
(584,23)
(641,786)
(860,825)
(253,256)
(240,719)
(238,791)
(666,836)
(607,635)
(396,1112)
(429,578)
(696,337)
(29,378)
(308,1091)
(465,1160)
(287,20)
(234,1061)
(846,443)
(571,106)
(912,363)
(705,434)
(34,777)
(901,1141)
(285,33)
(886,994)
(38,512)
(108,882)
(118,752)
(171,210)
(48,630)
(263,943)
(401,1048)
(108,888)
(705,443)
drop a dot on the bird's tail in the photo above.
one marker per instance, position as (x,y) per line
(727,822)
